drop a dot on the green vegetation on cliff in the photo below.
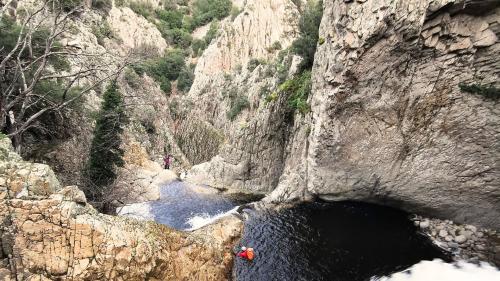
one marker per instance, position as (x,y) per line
(105,151)
(298,88)
(237,105)
(305,45)
(166,69)
(204,11)
(487,91)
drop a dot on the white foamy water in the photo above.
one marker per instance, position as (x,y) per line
(140,211)
(438,270)
(200,220)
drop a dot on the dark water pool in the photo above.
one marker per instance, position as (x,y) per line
(331,241)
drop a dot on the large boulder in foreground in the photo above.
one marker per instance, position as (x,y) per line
(21,178)
(58,236)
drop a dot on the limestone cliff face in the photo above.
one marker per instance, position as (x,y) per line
(53,234)
(390,123)
(252,150)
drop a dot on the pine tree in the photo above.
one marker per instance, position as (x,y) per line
(105,152)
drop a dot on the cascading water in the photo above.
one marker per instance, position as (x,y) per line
(184,206)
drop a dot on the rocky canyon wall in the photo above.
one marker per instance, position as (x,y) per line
(391,122)
(240,69)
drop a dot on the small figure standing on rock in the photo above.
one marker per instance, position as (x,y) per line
(167,160)
(246,253)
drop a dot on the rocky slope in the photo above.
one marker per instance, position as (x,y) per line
(49,233)
(390,123)
(131,37)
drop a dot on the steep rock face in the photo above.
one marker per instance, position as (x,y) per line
(58,236)
(133,30)
(252,152)
(390,122)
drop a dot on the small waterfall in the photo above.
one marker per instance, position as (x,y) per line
(200,220)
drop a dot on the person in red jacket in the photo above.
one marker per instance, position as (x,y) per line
(246,253)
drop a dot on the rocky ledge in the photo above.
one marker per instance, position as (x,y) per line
(464,242)
(52,233)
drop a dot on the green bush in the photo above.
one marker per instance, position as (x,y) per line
(253,63)
(169,4)
(170,65)
(489,92)
(305,45)
(204,11)
(276,46)
(120,3)
(173,19)
(198,46)
(165,84)
(188,23)
(283,67)
(186,78)
(235,11)
(103,5)
(66,5)
(264,91)
(164,69)
(298,90)
(238,104)
(212,32)
(142,8)
(102,31)
(179,38)
(132,79)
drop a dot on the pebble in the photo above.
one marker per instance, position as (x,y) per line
(460,239)
(424,224)
(471,228)
(480,234)
(448,238)
(466,233)
(453,245)
(480,247)
(443,233)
